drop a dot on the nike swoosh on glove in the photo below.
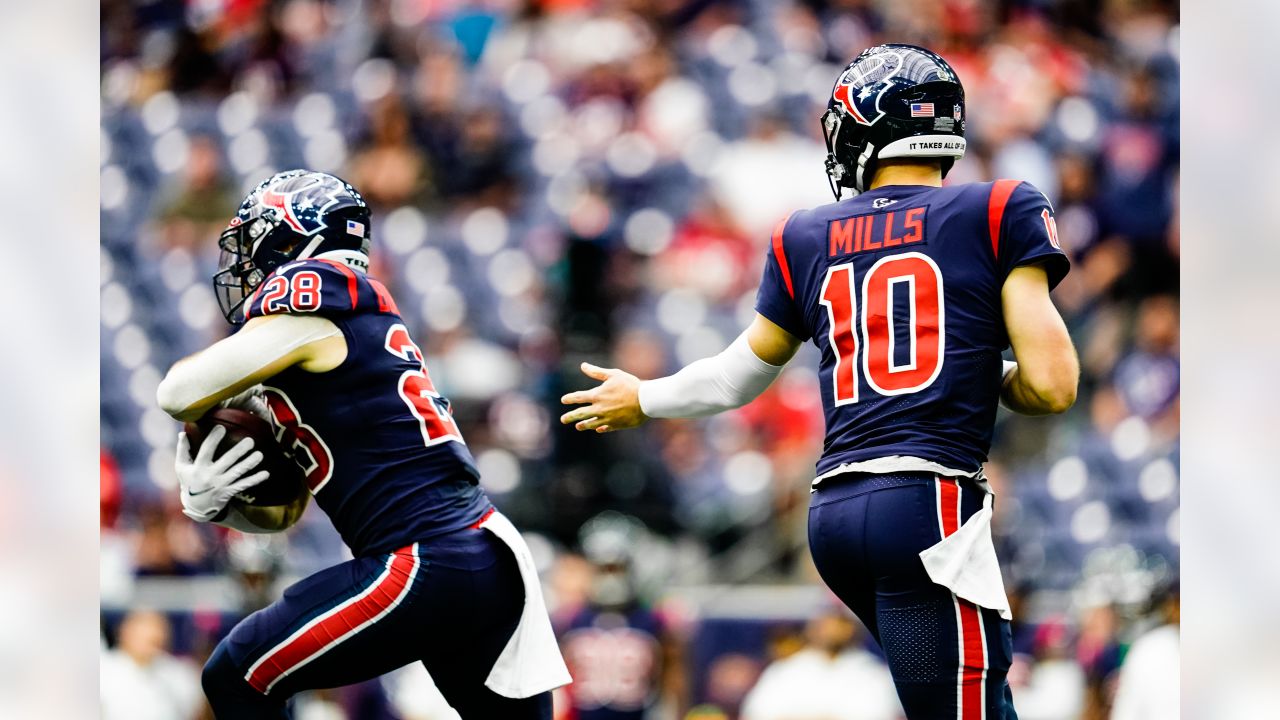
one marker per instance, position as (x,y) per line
(207,483)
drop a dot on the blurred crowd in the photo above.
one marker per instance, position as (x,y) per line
(565,180)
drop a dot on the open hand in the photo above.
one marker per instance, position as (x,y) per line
(614,404)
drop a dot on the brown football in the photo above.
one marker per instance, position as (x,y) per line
(286,482)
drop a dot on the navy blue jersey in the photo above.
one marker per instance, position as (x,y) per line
(616,662)
(899,288)
(381,451)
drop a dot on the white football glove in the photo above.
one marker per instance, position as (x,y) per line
(208,484)
(250,400)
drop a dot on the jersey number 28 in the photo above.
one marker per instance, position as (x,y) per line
(417,391)
(910,275)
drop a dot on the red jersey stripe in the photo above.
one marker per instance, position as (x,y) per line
(1001,190)
(353,283)
(780,254)
(385,301)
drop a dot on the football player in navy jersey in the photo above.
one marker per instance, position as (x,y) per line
(910,291)
(438,576)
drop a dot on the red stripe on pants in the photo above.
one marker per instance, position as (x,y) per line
(336,625)
(950,506)
(973,655)
(974,662)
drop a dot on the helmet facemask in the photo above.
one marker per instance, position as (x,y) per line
(836,171)
(238,275)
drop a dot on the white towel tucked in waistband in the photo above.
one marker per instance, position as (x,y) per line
(965,563)
(531,661)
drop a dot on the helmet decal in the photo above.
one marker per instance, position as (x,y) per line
(302,201)
(876,69)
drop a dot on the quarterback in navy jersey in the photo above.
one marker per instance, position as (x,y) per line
(911,291)
(438,576)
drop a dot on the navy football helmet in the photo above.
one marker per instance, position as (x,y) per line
(293,215)
(892,101)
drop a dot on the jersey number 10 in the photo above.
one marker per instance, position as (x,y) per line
(912,274)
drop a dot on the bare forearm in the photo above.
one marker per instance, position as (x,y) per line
(1026,398)
(198,382)
(1048,370)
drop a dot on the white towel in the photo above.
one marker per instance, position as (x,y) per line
(965,563)
(531,662)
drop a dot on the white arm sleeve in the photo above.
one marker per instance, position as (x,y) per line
(231,360)
(731,379)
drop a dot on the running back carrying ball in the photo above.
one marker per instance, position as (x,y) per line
(285,483)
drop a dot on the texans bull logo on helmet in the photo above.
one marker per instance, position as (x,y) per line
(302,201)
(865,74)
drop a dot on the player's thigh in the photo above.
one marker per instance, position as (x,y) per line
(475,605)
(339,626)
(868,527)
(837,544)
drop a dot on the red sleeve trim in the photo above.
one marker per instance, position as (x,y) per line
(780,254)
(1001,190)
(353,283)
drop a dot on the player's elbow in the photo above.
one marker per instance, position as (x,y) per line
(1059,399)
(1056,391)
(172,398)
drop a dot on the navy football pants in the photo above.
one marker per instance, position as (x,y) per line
(948,656)
(450,602)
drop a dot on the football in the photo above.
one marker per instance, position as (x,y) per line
(286,482)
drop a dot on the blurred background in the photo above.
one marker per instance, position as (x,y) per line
(573,180)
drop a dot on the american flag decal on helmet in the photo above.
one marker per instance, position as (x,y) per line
(921,109)
(355,228)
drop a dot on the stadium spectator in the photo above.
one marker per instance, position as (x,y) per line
(140,680)
(1147,688)
(1055,686)
(831,678)
(203,201)
(389,170)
